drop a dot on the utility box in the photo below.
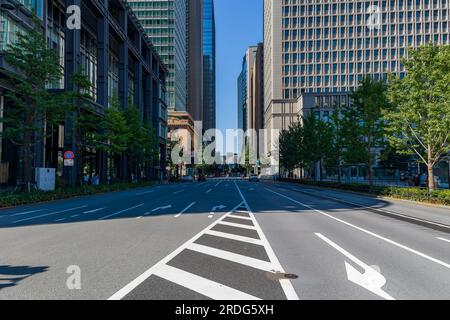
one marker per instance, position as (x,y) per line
(45,179)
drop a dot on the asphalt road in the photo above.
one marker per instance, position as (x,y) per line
(225,239)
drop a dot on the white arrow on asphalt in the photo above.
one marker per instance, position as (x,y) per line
(371,280)
(214,210)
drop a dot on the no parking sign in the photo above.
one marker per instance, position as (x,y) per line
(69,159)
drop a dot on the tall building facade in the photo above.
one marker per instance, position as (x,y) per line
(209,65)
(316,52)
(245,99)
(166,24)
(195,58)
(111,50)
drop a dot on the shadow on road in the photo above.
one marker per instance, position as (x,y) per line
(10,276)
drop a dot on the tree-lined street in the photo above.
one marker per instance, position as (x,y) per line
(226,239)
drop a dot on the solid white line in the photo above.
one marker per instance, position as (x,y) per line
(185,209)
(444,264)
(237,225)
(123,211)
(25,213)
(237,258)
(288,289)
(201,285)
(443,239)
(361,206)
(95,211)
(136,282)
(233,237)
(240,217)
(49,214)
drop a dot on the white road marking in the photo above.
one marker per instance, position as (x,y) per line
(218,183)
(201,285)
(95,211)
(288,289)
(208,191)
(420,254)
(214,210)
(240,217)
(59,220)
(162,264)
(75,216)
(162,208)
(237,258)
(144,193)
(443,239)
(25,213)
(237,225)
(372,280)
(234,237)
(49,214)
(185,209)
(123,211)
(180,191)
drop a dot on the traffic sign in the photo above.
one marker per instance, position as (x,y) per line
(69,162)
(69,155)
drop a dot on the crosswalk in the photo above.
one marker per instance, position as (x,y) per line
(231,259)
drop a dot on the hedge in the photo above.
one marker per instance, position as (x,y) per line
(11,199)
(414,194)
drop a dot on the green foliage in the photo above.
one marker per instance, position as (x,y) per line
(11,199)
(419,117)
(36,65)
(414,194)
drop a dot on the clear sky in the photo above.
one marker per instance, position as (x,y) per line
(239,24)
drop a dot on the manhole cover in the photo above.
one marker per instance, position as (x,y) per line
(279,276)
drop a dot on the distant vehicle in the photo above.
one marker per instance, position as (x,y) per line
(253,178)
(201,178)
(187,179)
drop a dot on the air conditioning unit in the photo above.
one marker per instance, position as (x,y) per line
(45,178)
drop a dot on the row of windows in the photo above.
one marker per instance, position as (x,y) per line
(293,70)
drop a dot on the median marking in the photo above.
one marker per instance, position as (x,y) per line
(399,245)
(120,212)
(185,210)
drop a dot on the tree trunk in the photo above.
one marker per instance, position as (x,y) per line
(431,182)
(27,159)
(369,159)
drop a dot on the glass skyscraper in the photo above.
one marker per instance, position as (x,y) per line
(165,22)
(209,65)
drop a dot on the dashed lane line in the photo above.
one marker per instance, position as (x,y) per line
(443,239)
(122,211)
(185,210)
(49,214)
(95,210)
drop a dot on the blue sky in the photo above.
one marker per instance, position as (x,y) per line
(239,24)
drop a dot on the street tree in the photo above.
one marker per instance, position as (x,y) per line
(364,117)
(419,116)
(35,66)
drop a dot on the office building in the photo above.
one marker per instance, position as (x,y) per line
(209,65)
(112,51)
(245,99)
(321,49)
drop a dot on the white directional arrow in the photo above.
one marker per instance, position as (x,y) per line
(162,208)
(371,280)
(214,210)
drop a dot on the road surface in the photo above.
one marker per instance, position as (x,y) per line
(225,239)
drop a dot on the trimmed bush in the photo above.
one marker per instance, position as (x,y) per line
(11,199)
(414,194)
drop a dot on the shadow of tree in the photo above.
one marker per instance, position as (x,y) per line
(10,276)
